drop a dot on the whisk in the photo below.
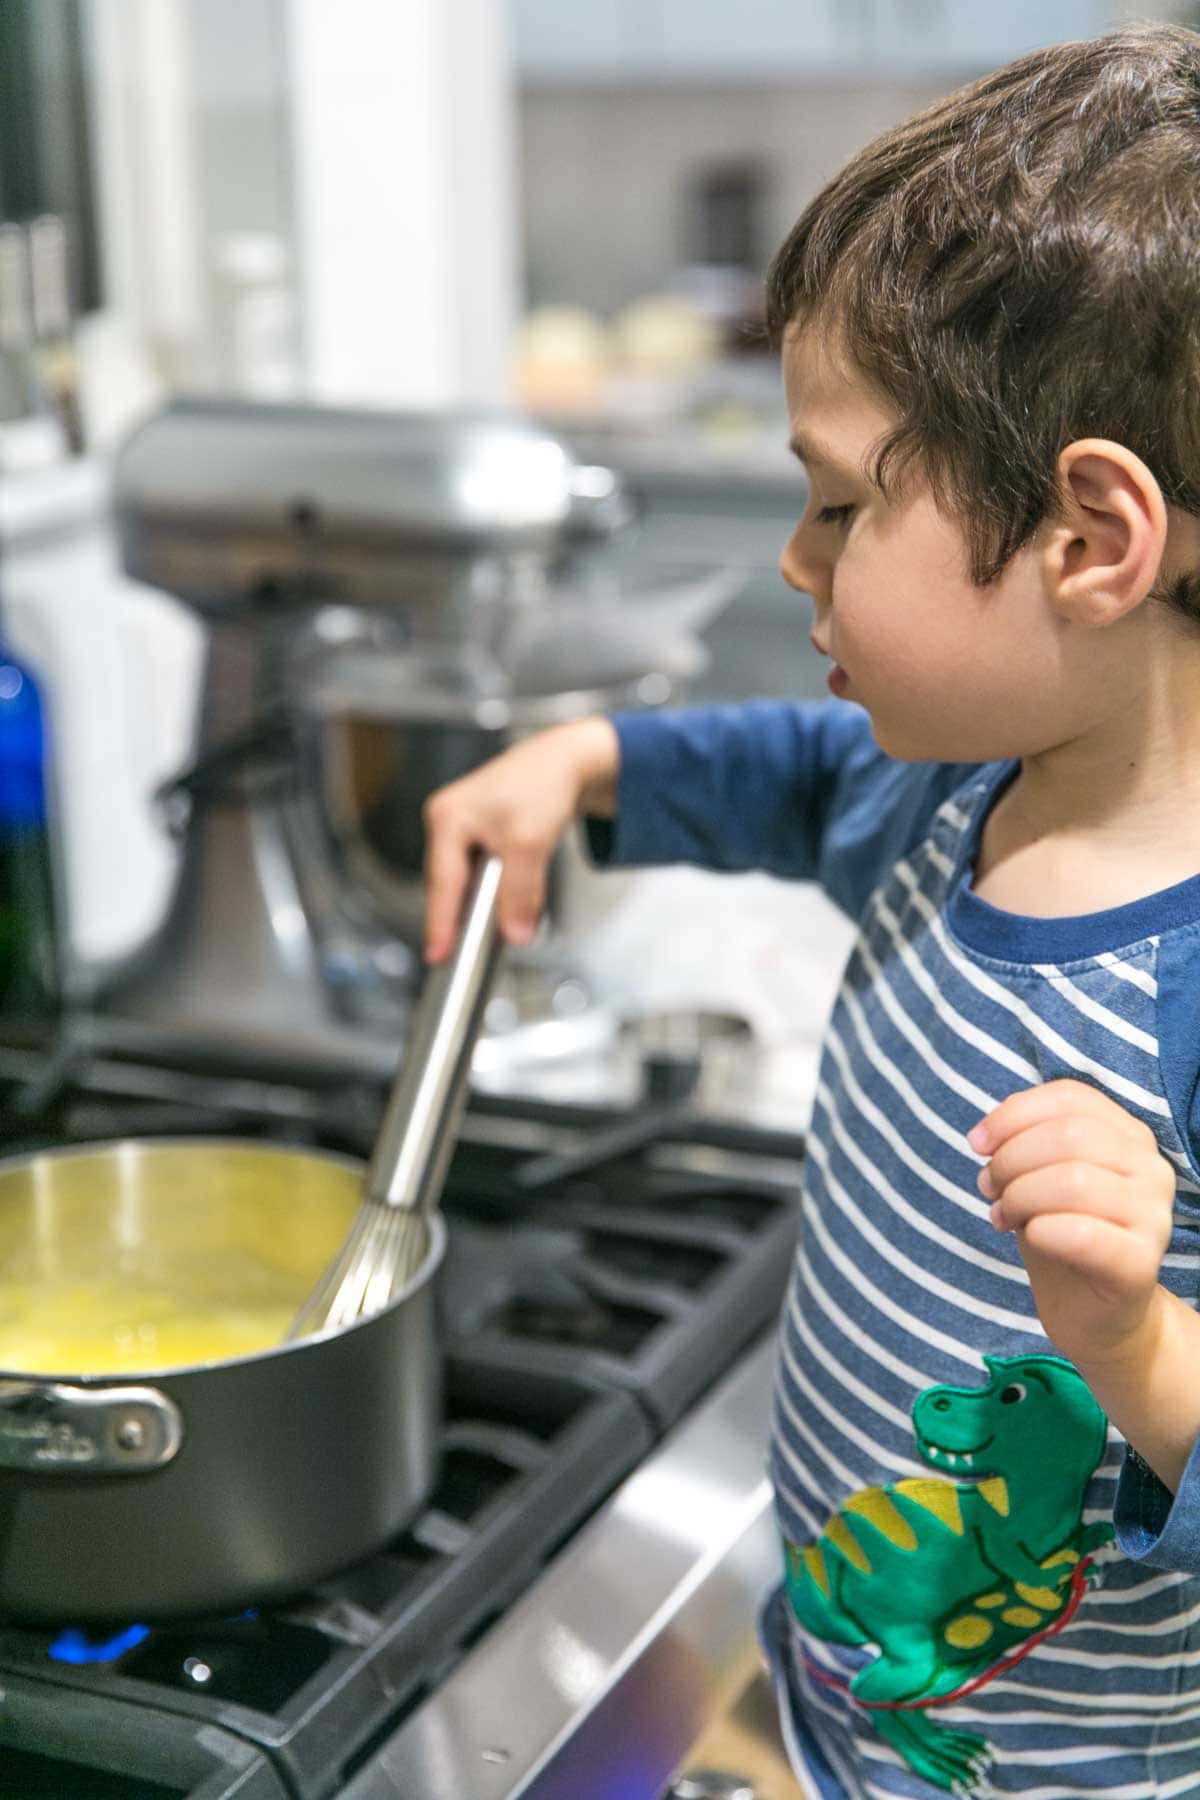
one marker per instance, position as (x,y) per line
(403,1182)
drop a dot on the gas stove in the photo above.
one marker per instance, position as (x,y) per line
(559,1617)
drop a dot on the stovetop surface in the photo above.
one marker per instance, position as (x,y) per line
(580,1321)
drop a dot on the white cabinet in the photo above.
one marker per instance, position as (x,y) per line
(586,39)
(765,38)
(678,40)
(969,36)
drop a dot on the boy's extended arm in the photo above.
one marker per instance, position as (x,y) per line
(798,790)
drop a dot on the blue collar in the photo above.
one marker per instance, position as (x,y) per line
(1016,937)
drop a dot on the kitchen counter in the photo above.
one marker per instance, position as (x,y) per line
(687,454)
(682,939)
(722,426)
(49,504)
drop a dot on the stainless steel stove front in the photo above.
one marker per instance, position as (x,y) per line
(597,1682)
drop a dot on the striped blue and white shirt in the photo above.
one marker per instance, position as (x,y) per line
(985,1591)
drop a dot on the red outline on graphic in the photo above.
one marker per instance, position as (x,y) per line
(1078,1585)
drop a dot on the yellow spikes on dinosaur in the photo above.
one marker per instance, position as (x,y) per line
(814,1562)
(938,1497)
(838,1533)
(874,1505)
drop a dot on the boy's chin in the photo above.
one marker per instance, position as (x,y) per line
(936,741)
(907,742)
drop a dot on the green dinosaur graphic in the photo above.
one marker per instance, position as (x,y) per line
(946,1577)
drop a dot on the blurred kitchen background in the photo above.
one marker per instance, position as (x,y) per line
(428,204)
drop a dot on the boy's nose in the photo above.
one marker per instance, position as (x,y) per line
(800,570)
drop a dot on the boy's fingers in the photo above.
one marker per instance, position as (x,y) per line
(447,866)
(1073,1138)
(1050,1100)
(519,899)
(1065,1187)
(1109,1255)
(522,894)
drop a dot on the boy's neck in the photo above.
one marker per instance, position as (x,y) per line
(1106,818)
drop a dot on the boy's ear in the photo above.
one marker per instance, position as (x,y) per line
(1103,555)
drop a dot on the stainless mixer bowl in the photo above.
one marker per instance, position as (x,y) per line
(388,723)
(374,775)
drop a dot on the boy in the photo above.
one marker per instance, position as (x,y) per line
(991,351)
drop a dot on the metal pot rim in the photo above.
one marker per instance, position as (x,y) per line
(124,1377)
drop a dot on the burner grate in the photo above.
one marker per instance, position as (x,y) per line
(590,1322)
(652,1285)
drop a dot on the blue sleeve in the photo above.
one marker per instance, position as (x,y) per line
(799,790)
(1179,1040)
(1153,1525)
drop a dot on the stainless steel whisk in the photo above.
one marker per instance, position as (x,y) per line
(403,1181)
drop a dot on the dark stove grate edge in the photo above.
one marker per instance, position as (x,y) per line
(148,1753)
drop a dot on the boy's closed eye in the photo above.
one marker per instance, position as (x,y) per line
(834,515)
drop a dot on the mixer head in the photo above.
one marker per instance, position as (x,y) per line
(234,506)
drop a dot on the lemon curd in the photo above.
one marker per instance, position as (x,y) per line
(141,1257)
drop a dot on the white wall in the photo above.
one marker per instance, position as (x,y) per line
(603,172)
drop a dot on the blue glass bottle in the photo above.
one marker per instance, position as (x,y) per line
(30,985)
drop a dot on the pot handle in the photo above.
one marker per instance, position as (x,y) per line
(48,1427)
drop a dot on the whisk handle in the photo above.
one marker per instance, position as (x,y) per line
(416,1139)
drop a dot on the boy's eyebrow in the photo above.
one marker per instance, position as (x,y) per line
(810,449)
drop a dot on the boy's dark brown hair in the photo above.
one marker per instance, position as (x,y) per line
(1018,267)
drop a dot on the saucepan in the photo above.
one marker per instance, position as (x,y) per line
(172,1483)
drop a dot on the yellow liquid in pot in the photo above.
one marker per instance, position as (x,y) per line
(102,1328)
(152,1257)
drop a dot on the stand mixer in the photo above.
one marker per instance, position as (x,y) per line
(385,606)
